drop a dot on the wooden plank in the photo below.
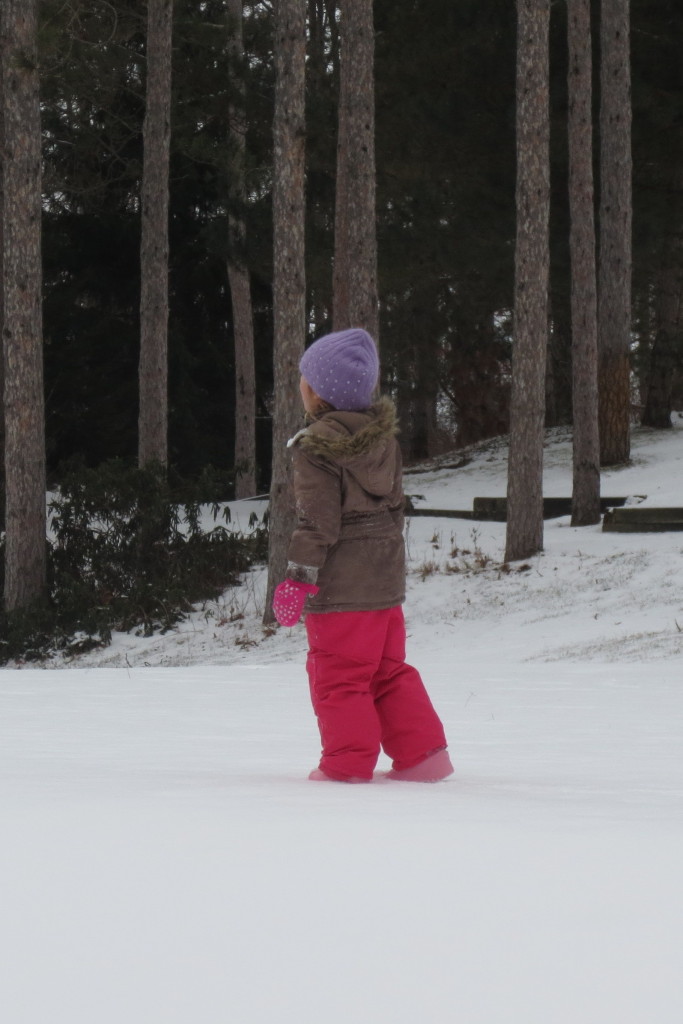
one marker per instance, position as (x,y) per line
(495,509)
(636,519)
(638,513)
(440,513)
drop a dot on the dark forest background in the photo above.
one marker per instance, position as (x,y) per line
(445,116)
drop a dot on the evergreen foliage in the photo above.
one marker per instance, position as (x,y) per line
(445,104)
(445,201)
(127,553)
(93,108)
(445,154)
(446,167)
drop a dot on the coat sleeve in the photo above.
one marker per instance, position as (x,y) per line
(397,501)
(317,496)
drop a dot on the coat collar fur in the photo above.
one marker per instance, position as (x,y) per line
(342,435)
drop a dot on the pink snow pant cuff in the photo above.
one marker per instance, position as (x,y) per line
(364,694)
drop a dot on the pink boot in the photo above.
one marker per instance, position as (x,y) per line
(318,775)
(436,766)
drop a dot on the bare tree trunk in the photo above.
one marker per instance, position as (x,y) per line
(552,414)
(586,449)
(2,299)
(416,401)
(245,381)
(238,275)
(153,413)
(333,26)
(558,385)
(25,544)
(667,344)
(355,300)
(527,408)
(665,353)
(316,36)
(644,317)
(289,285)
(614,270)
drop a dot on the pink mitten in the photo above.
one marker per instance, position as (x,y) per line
(289,599)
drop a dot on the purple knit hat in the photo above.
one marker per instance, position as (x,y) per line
(343,368)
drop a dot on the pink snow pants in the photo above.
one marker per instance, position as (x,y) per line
(365,696)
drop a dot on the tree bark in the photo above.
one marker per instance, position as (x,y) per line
(667,346)
(586,447)
(420,394)
(614,268)
(316,36)
(153,412)
(355,299)
(289,284)
(2,297)
(25,543)
(527,407)
(238,275)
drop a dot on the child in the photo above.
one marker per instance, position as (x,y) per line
(347,565)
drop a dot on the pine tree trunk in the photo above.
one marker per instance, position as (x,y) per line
(25,544)
(355,300)
(552,412)
(238,275)
(423,422)
(289,284)
(586,448)
(614,270)
(153,413)
(416,403)
(245,381)
(667,347)
(2,303)
(317,62)
(558,384)
(643,315)
(527,408)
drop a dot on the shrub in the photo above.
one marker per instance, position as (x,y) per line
(126,553)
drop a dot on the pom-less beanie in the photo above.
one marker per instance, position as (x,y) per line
(343,368)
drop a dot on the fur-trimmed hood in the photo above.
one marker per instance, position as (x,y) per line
(361,442)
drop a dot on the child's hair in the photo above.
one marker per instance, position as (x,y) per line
(321,407)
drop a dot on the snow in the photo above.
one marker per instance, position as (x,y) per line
(164,860)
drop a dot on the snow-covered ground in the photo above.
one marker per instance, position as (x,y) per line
(164,860)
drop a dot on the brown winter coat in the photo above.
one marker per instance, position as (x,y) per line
(349,503)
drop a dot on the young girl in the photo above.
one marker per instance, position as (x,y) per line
(347,566)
